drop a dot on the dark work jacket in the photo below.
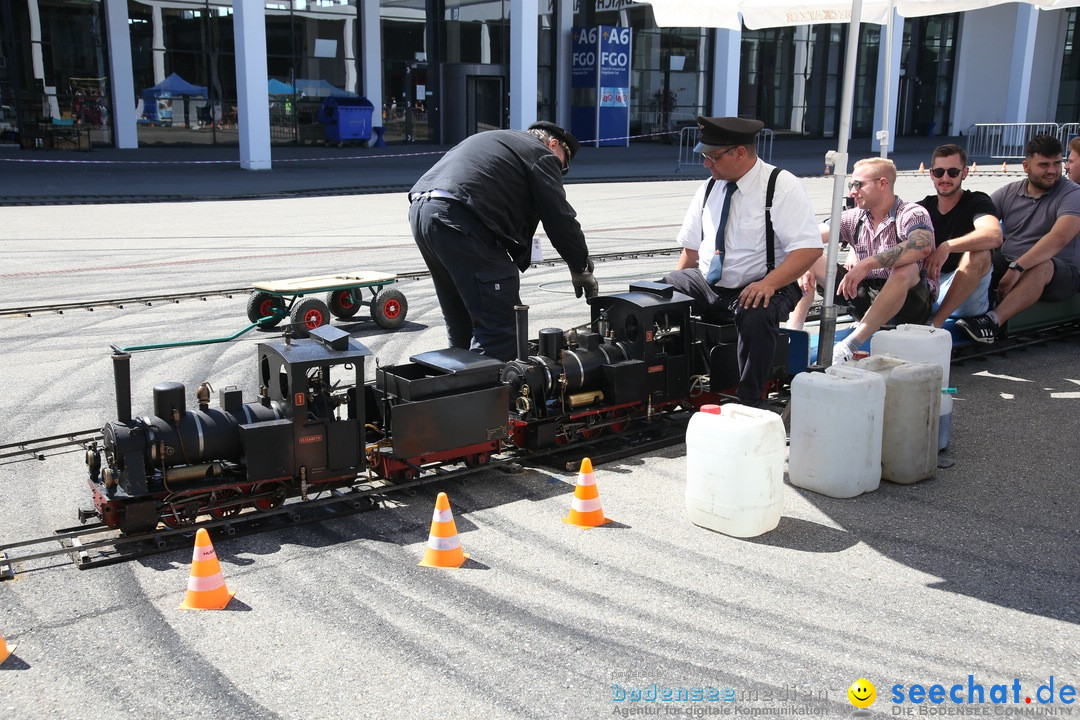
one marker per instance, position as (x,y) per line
(512,182)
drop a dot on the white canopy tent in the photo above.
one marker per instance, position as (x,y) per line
(756,14)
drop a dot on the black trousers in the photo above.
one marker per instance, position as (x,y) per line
(757,328)
(476,282)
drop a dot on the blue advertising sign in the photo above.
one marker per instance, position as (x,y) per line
(600,79)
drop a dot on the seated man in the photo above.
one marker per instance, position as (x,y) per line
(966,229)
(1040,257)
(726,264)
(891,238)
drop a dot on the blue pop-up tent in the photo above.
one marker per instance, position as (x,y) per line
(170,87)
(276,87)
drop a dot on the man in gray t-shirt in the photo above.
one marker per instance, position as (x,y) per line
(1040,257)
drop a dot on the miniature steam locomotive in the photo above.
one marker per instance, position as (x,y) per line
(316,425)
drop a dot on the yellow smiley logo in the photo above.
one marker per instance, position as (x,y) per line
(862,693)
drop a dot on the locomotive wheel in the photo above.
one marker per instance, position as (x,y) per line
(388,308)
(178,515)
(227,496)
(273,494)
(591,433)
(617,425)
(341,304)
(477,459)
(262,305)
(307,314)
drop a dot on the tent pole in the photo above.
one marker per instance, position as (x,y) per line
(827,331)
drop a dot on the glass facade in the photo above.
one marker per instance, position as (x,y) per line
(60,77)
(445,70)
(1068,105)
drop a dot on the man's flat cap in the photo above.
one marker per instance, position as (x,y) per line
(723,132)
(557,132)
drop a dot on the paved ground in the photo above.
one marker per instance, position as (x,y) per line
(178,173)
(972,573)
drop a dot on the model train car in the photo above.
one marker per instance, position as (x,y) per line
(316,425)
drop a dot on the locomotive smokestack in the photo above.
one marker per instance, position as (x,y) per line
(122,381)
(521,322)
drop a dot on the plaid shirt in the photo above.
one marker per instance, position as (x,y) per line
(901,219)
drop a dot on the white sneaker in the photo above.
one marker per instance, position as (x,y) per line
(841,353)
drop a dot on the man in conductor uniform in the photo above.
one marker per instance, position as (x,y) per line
(726,264)
(473,216)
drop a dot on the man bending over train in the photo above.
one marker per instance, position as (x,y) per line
(726,265)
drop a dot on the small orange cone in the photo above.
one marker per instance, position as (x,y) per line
(5,651)
(974,167)
(827,170)
(443,546)
(922,167)
(206,587)
(1004,167)
(585,510)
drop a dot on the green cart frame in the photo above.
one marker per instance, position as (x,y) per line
(310,301)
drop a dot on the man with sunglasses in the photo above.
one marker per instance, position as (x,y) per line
(725,261)
(966,229)
(473,216)
(1040,256)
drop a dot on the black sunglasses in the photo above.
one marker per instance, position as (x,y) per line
(939,172)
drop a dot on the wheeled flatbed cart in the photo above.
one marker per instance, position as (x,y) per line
(341,296)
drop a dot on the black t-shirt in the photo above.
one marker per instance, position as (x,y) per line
(959,221)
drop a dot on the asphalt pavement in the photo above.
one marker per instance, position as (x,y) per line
(968,580)
(157,174)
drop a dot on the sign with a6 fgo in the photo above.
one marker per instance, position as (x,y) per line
(600,76)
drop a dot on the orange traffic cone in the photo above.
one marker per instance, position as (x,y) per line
(585,510)
(5,651)
(206,587)
(827,170)
(974,167)
(1004,167)
(922,167)
(443,546)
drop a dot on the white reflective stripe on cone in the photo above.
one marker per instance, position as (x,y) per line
(589,479)
(585,505)
(202,584)
(441,543)
(203,553)
(442,516)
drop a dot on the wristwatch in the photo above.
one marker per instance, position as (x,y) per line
(1016,266)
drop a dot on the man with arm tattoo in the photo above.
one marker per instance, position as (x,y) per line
(885,281)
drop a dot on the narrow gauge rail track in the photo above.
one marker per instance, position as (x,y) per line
(90,305)
(96,545)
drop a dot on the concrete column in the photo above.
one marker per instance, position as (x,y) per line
(121,78)
(157,25)
(563,35)
(726,73)
(253,104)
(888,79)
(524,28)
(1020,69)
(371,46)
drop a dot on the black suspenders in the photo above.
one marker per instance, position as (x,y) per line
(770,234)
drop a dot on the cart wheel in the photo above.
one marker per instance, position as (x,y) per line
(341,304)
(262,305)
(307,314)
(388,308)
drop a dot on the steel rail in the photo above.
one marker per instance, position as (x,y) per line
(150,300)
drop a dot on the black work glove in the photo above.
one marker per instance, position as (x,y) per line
(585,282)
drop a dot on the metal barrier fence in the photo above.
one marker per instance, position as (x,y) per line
(688,138)
(1068,132)
(1006,141)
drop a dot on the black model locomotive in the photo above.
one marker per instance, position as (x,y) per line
(316,425)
